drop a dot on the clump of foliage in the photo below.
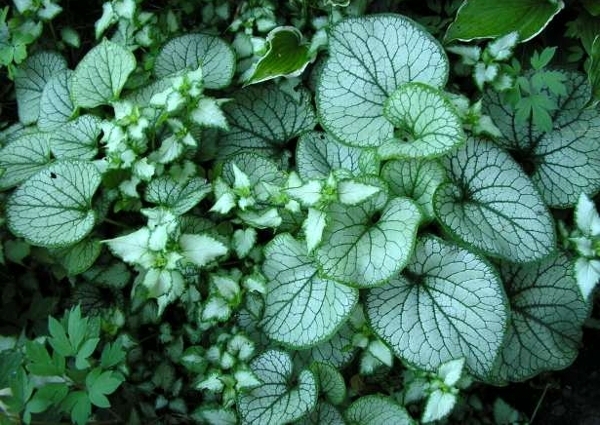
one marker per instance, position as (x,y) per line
(292,212)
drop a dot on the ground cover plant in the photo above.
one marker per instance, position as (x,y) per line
(306,211)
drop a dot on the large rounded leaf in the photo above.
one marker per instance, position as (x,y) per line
(449,303)
(363,245)
(377,410)
(547,312)
(492,205)
(56,106)
(319,153)
(564,162)
(53,207)
(369,58)
(23,158)
(76,139)
(301,309)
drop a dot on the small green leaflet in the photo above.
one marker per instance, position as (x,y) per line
(76,139)
(23,158)
(365,245)
(377,410)
(415,179)
(178,197)
(56,106)
(101,74)
(263,119)
(287,56)
(79,257)
(30,80)
(448,304)
(547,313)
(565,161)
(53,207)
(490,19)
(318,154)
(275,402)
(425,123)
(369,58)
(101,383)
(216,58)
(301,309)
(492,205)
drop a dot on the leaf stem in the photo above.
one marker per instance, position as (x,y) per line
(539,404)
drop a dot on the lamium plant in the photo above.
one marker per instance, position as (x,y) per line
(311,212)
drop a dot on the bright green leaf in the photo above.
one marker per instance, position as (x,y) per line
(76,139)
(377,410)
(84,352)
(56,106)
(40,362)
(53,207)
(101,75)
(23,157)
(301,308)
(59,341)
(46,396)
(449,303)
(369,58)
(112,355)
(79,405)
(101,383)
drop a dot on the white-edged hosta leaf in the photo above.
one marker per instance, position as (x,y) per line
(439,405)
(257,168)
(79,257)
(178,197)
(492,205)
(76,139)
(201,249)
(263,119)
(377,410)
(425,123)
(189,51)
(275,402)
(23,158)
(564,162)
(101,74)
(56,106)
(331,382)
(301,308)
(416,179)
(53,208)
(449,303)
(324,413)
(365,245)
(369,58)
(338,350)
(547,313)
(490,19)
(318,154)
(31,78)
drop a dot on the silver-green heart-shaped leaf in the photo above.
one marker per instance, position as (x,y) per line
(369,58)
(365,245)
(76,139)
(178,197)
(492,205)
(275,401)
(377,410)
(189,51)
(258,169)
(56,106)
(101,75)
(337,350)
(31,78)
(77,258)
(263,119)
(331,382)
(415,179)
(547,313)
(301,308)
(318,154)
(53,208)
(324,413)
(425,123)
(23,157)
(449,303)
(565,161)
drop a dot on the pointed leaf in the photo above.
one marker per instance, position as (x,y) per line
(101,383)
(490,19)
(101,74)
(587,273)
(364,245)
(53,207)
(449,304)
(263,119)
(179,198)
(275,401)
(31,78)
(313,228)
(493,205)
(547,312)
(192,50)
(425,122)
(133,248)
(318,154)
(564,162)
(22,158)
(377,410)
(59,340)
(201,249)
(586,216)
(439,405)
(369,58)
(56,106)
(76,139)
(301,309)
